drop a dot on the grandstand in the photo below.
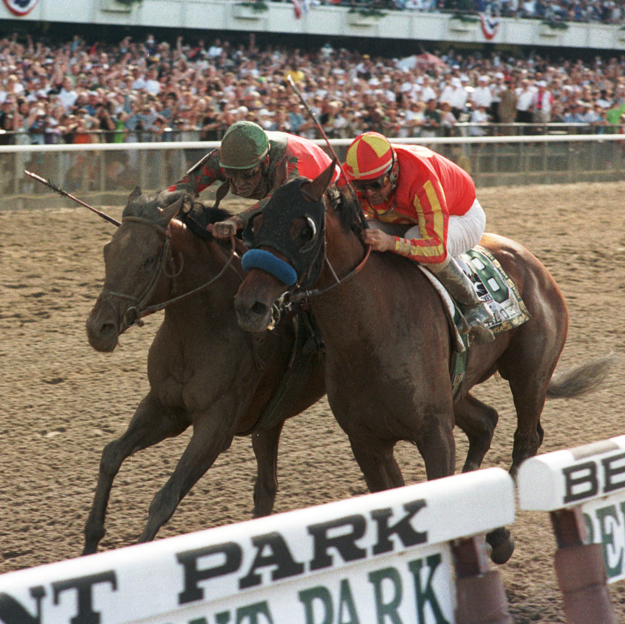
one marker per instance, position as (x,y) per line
(144,72)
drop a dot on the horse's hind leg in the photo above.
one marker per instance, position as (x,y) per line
(212,434)
(151,423)
(478,421)
(265,444)
(528,393)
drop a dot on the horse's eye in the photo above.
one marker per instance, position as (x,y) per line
(301,231)
(148,262)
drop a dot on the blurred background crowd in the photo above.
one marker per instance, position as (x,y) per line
(604,11)
(148,90)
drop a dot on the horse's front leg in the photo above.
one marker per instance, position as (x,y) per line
(151,423)
(213,432)
(437,446)
(265,444)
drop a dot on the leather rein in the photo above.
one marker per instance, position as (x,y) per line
(140,309)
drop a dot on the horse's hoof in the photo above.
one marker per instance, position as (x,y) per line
(502,545)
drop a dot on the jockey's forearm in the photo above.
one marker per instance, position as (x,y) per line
(241,218)
(430,251)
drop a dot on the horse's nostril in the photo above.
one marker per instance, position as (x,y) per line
(107,328)
(259,308)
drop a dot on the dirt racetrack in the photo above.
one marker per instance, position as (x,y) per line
(61,402)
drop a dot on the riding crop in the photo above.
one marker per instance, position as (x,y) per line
(311,114)
(60,191)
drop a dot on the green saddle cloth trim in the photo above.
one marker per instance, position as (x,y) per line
(501,294)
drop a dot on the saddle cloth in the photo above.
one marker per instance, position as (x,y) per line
(493,285)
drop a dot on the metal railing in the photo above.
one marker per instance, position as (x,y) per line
(107,173)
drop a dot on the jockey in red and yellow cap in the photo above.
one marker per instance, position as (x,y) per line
(422,206)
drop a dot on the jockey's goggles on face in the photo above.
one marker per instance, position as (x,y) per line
(377,184)
(244,174)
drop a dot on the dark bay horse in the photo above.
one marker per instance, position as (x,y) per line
(387,340)
(204,370)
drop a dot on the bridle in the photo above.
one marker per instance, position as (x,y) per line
(139,310)
(304,269)
(297,295)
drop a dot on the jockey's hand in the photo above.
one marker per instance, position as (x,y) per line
(379,240)
(223,229)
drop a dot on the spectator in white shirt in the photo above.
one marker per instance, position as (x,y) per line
(67,95)
(152,84)
(542,103)
(482,96)
(427,91)
(525,97)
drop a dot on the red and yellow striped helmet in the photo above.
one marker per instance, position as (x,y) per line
(369,156)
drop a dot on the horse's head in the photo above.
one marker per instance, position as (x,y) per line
(134,260)
(289,240)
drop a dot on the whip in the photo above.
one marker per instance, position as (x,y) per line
(60,191)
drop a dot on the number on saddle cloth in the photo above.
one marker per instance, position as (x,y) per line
(496,288)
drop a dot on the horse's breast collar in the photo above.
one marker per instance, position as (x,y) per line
(285,206)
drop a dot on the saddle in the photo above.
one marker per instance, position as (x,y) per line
(499,292)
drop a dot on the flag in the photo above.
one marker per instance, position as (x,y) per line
(300,7)
(490,25)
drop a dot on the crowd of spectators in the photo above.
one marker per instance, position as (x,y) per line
(145,90)
(603,11)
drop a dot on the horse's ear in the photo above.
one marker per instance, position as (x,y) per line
(169,212)
(134,195)
(313,191)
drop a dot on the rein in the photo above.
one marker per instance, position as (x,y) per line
(297,297)
(140,309)
(160,306)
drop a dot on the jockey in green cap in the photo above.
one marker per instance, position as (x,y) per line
(253,163)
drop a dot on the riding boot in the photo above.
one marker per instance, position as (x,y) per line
(475,311)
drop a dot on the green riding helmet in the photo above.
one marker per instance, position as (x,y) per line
(244,145)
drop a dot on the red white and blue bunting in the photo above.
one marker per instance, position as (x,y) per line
(21,7)
(490,25)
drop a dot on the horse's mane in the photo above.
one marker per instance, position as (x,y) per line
(347,208)
(196,218)
(200,215)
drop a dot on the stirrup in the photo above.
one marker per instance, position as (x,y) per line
(477,316)
(479,334)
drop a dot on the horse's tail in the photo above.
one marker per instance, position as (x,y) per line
(582,379)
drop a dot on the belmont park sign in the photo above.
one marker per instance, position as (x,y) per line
(377,558)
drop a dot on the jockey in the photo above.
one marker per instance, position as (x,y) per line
(253,163)
(424,207)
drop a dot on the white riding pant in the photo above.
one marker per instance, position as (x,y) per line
(463,232)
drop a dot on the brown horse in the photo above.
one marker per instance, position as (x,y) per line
(387,341)
(203,369)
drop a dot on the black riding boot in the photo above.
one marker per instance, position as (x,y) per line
(475,311)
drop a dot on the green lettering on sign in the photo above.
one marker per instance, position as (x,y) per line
(323,597)
(251,613)
(347,605)
(607,538)
(427,596)
(387,609)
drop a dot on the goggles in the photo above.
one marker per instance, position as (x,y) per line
(243,174)
(377,184)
